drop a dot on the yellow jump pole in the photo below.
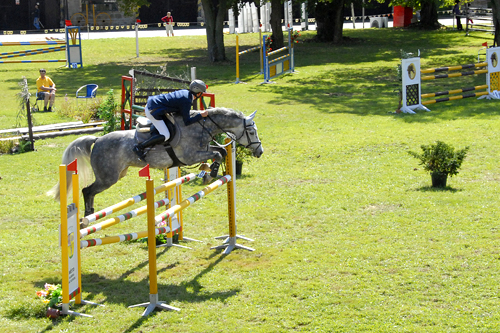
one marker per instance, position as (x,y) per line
(64,232)
(230,240)
(237,60)
(153,278)
(71,261)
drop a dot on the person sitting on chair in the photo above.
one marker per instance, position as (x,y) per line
(179,101)
(46,90)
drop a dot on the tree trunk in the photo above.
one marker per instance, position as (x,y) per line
(214,18)
(495,5)
(330,21)
(277,36)
(429,15)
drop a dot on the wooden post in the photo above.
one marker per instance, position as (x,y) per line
(30,125)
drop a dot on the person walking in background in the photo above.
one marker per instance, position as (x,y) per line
(36,14)
(46,90)
(456,12)
(169,26)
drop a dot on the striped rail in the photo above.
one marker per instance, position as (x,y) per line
(121,238)
(453,68)
(444,76)
(48,42)
(115,220)
(284,48)
(29,61)
(192,199)
(129,202)
(31,52)
(412,78)
(249,50)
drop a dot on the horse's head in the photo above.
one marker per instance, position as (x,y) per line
(249,138)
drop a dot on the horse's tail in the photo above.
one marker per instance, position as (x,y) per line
(80,149)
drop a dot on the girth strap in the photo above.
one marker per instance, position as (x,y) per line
(171,153)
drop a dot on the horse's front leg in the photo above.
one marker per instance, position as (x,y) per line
(202,156)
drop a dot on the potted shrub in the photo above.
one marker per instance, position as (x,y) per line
(441,160)
(242,155)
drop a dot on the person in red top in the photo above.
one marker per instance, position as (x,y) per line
(169,20)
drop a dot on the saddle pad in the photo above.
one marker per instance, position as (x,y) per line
(144,126)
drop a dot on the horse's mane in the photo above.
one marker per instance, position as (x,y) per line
(226,112)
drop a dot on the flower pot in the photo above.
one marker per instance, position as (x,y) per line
(53,313)
(239,168)
(439,179)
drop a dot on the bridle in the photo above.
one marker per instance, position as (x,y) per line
(246,127)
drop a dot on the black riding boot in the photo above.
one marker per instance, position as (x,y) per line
(139,148)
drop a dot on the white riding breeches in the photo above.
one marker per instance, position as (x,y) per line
(159,124)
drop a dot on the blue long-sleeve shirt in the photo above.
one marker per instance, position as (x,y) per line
(178,101)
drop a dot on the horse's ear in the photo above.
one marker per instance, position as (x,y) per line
(250,117)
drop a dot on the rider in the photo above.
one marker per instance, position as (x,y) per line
(179,101)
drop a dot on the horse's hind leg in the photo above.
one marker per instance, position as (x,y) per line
(90,192)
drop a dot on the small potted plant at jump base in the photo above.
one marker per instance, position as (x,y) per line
(441,160)
(242,155)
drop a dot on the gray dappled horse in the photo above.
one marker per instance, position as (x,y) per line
(112,154)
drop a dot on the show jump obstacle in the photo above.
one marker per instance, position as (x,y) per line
(411,77)
(70,228)
(280,65)
(239,53)
(73,49)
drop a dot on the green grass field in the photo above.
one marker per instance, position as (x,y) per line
(349,234)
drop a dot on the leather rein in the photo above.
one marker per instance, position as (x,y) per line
(232,136)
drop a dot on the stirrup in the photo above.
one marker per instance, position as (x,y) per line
(140,153)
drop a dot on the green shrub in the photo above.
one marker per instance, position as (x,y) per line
(107,112)
(441,158)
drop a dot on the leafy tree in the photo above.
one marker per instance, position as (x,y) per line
(131,7)
(275,20)
(215,11)
(330,20)
(495,5)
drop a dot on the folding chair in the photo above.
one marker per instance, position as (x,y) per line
(36,108)
(89,91)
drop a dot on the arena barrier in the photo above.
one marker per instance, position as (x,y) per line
(238,53)
(73,50)
(280,65)
(70,229)
(411,78)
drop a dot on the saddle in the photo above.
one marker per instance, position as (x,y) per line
(145,129)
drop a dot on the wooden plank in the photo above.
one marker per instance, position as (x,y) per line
(48,129)
(50,135)
(25,129)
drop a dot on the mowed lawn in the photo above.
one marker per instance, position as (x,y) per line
(349,234)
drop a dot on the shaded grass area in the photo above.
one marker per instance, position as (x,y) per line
(349,235)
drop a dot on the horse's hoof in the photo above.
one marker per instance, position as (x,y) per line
(204,167)
(215,169)
(83,225)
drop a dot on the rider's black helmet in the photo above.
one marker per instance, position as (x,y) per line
(197,86)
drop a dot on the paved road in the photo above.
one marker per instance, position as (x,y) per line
(160,32)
